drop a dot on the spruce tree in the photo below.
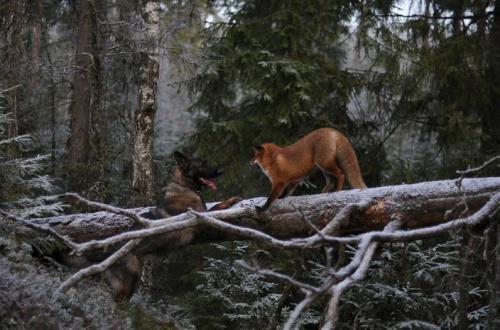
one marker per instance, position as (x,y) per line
(272,73)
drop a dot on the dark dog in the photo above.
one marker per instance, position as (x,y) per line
(183,193)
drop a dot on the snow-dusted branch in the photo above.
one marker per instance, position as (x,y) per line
(43,229)
(97,268)
(116,210)
(344,215)
(477,169)
(357,269)
(266,272)
(135,234)
(331,316)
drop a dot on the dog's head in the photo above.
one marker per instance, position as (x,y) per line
(197,170)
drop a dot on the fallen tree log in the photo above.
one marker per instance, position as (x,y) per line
(344,212)
(385,214)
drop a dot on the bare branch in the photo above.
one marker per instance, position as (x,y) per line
(345,214)
(136,234)
(310,224)
(354,271)
(116,210)
(475,170)
(339,289)
(485,213)
(245,232)
(97,268)
(43,229)
(329,259)
(266,272)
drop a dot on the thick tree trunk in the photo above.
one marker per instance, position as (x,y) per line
(416,205)
(85,98)
(98,124)
(79,140)
(143,145)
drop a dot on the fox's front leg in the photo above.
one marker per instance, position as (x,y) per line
(276,191)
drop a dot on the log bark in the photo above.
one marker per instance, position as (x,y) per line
(415,205)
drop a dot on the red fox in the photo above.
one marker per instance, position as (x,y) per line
(325,148)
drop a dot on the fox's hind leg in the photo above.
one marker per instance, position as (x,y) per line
(292,186)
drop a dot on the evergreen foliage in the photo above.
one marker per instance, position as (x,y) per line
(238,299)
(27,302)
(26,284)
(432,71)
(416,286)
(24,187)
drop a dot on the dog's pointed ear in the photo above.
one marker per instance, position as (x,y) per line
(180,158)
(258,149)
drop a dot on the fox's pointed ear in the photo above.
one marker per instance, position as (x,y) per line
(258,149)
(180,158)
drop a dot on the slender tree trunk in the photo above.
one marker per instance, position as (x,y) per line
(458,9)
(425,35)
(494,313)
(14,56)
(470,248)
(52,91)
(490,144)
(145,114)
(98,124)
(36,50)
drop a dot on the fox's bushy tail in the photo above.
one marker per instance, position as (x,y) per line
(348,162)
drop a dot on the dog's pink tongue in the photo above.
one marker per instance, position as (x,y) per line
(208,183)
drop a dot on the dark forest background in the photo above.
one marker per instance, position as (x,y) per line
(95,95)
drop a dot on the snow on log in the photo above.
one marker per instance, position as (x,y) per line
(345,212)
